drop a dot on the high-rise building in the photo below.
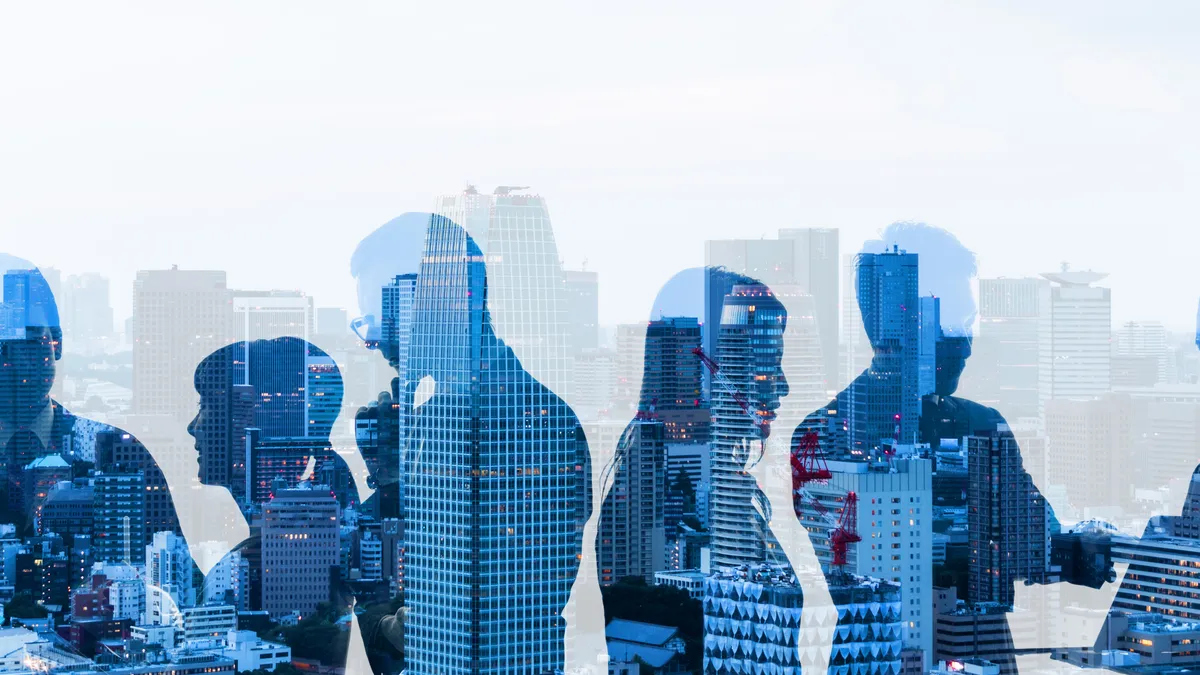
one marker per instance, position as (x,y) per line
(1075,345)
(119,529)
(1006,352)
(1148,340)
(806,258)
(929,333)
(494,463)
(395,337)
(748,353)
(1007,526)
(882,407)
(671,381)
(300,546)
(119,452)
(86,307)
(631,540)
(179,317)
(1090,458)
(597,367)
(895,521)
(583,309)
(332,322)
(169,587)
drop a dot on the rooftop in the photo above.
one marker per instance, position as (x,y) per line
(639,632)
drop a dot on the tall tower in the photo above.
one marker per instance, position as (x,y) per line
(748,352)
(179,317)
(494,459)
(583,309)
(1075,349)
(1006,362)
(631,540)
(882,407)
(1006,520)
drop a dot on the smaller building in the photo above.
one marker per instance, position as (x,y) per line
(691,581)
(659,647)
(251,652)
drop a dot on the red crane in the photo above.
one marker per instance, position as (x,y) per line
(807,465)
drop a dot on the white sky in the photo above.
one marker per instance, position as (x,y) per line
(266,139)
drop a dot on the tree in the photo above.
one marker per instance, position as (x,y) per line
(632,598)
(22,606)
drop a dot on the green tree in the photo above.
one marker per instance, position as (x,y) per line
(632,598)
(22,606)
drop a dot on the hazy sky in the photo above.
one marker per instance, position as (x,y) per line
(266,139)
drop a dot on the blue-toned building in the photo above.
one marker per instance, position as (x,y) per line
(882,406)
(494,460)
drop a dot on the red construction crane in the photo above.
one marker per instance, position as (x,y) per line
(807,465)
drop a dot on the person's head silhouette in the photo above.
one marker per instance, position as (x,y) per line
(393,249)
(286,387)
(30,340)
(945,270)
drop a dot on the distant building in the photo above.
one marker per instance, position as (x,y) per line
(690,580)
(659,647)
(1006,359)
(1075,344)
(251,652)
(169,585)
(582,291)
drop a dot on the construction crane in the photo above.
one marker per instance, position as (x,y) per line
(807,466)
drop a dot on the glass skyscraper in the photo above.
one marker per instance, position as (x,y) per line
(494,461)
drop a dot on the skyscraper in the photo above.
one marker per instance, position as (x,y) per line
(495,461)
(179,317)
(1006,520)
(300,546)
(883,407)
(895,521)
(1006,362)
(1075,346)
(671,381)
(87,307)
(583,309)
(748,352)
(631,539)
(1145,339)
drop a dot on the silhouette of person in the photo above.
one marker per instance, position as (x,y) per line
(740,530)
(260,409)
(36,428)
(945,271)
(495,470)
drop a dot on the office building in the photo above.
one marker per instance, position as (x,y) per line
(179,317)
(895,521)
(1160,577)
(119,452)
(671,381)
(1092,459)
(583,309)
(631,537)
(752,624)
(881,408)
(119,526)
(1006,520)
(333,323)
(39,477)
(1145,340)
(1075,343)
(491,517)
(86,308)
(1006,362)
(980,631)
(285,459)
(598,368)
(300,547)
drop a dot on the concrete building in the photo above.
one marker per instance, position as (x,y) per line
(251,652)
(979,631)
(895,521)
(1006,362)
(1163,576)
(631,539)
(300,548)
(119,527)
(1008,538)
(208,621)
(169,584)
